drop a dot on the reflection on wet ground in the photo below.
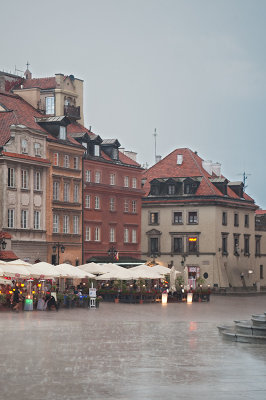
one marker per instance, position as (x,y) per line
(131,352)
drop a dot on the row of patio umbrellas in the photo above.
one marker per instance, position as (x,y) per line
(22,269)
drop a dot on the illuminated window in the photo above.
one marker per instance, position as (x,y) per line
(192,244)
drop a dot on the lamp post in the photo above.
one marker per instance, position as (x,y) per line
(58,246)
(112,252)
(3,243)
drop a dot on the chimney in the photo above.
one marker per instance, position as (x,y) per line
(207,165)
(216,168)
(158,158)
(131,154)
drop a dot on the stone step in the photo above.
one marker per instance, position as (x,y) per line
(249,329)
(238,337)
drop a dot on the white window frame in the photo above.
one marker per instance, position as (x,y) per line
(97,150)
(126,235)
(11,175)
(66,160)
(76,162)
(37,219)
(62,133)
(112,204)
(134,206)
(126,181)
(134,183)
(37,180)
(37,149)
(49,105)
(24,179)
(88,175)
(112,235)
(76,193)
(134,236)
(24,219)
(55,223)
(56,186)
(87,201)
(11,218)
(97,177)
(97,203)
(87,234)
(126,206)
(66,191)
(97,234)
(65,224)
(24,146)
(56,159)
(112,179)
(76,224)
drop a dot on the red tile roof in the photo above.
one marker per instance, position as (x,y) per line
(260,212)
(25,157)
(190,167)
(41,83)
(5,235)
(7,255)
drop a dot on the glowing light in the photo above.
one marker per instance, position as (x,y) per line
(39,284)
(192,239)
(189,298)
(33,292)
(22,285)
(10,292)
(164,298)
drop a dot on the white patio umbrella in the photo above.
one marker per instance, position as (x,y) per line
(160,268)
(18,262)
(12,270)
(68,271)
(123,275)
(145,272)
(43,270)
(100,269)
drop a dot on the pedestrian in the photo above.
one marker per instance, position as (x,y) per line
(15,300)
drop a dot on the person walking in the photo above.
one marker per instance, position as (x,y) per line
(15,300)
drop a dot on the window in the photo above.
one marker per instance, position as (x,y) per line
(76,225)
(134,183)
(62,133)
(76,163)
(154,218)
(134,236)
(112,179)
(76,193)
(224,218)
(115,154)
(97,202)
(24,146)
(246,220)
(66,224)
(126,180)
(87,233)
(24,219)
(55,223)
(224,244)
(97,234)
(66,161)
(112,204)
(88,176)
(11,218)
(37,149)
(112,235)
(55,190)
(178,245)
(56,159)
(134,206)
(192,217)
(236,220)
(177,217)
(187,188)
(154,245)
(11,177)
(246,245)
(24,179)
(171,189)
(37,219)
(37,180)
(49,105)
(126,206)
(96,150)
(257,245)
(88,201)
(236,245)
(261,271)
(126,235)
(66,191)
(192,244)
(97,177)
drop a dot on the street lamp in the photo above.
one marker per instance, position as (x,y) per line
(3,243)
(112,252)
(58,246)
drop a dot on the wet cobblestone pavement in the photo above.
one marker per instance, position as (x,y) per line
(124,351)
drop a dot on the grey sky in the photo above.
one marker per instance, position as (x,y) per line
(194,69)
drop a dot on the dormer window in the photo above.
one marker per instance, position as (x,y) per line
(96,150)
(24,146)
(187,188)
(49,105)
(37,149)
(62,133)
(171,189)
(115,154)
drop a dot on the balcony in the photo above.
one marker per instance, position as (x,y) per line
(72,112)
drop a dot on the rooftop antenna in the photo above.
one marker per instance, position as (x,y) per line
(245,178)
(155,135)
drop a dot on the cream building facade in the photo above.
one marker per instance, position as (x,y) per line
(198,221)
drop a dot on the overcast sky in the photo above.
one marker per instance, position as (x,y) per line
(193,69)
